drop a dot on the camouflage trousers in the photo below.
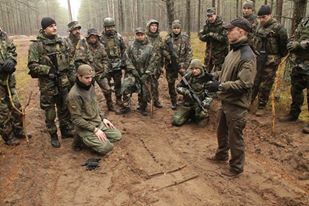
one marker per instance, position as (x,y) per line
(184,113)
(263,83)
(171,77)
(92,141)
(11,124)
(155,86)
(49,101)
(231,123)
(116,76)
(104,85)
(299,82)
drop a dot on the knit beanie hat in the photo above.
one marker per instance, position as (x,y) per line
(264,10)
(46,22)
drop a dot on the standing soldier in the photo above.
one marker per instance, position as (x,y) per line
(270,42)
(140,61)
(299,48)
(92,52)
(234,90)
(215,37)
(11,125)
(247,12)
(196,102)
(156,41)
(178,45)
(49,61)
(74,36)
(115,48)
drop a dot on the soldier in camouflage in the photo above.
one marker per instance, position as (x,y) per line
(269,41)
(153,35)
(140,61)
(92,52)
(179,54)
(74,36)
(215,37)
(115,48)
(248,13)
(299,49)
(49,61)
(11,125)
(92,128)
(196,78)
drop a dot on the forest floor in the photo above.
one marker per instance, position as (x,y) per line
(155,163)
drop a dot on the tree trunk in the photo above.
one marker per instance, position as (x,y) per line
(213,4)
(237,8)
(121,16)
(170,12)
(188,15)
(199,14)
(299,12)
(279,7)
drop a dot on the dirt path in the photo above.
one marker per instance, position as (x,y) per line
(156,164)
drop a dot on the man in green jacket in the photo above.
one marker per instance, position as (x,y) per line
(234,90)
(92,128)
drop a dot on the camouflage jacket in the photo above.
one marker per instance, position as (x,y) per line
(93,55)
(7,50)
(72,42)
(253,21)
(216,38)
(84,109)
(273,37)
(196,83)
(140,56)
(181,46)
(50,55)
(115,49)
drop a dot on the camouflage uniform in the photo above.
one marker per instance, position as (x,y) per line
(49,61)
(299,49)
(190,108)
(178,46)
(95,55)
(11,125)
(217,44)
(252,18)
(140,61)
(271,38)
(86,117)
(71,39)
(158,46)
(115,48)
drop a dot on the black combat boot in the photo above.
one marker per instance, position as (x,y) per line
(306,129)
(66,132)
(157,104)
(77,144)
(174,103)
(11,140)
(54,140)
(142,110)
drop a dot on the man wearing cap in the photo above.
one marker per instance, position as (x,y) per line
(74,28)
(234,88)
(11,124)
(179,55)
(215,37)
(140,61)
(115,48)
(299,50)
(248,13)
(193,82)
(153,35)
(92,128)
(91,51)
(49,61)
(269,41)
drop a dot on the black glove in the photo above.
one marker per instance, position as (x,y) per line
(9,66)
(212,86)
(92,163)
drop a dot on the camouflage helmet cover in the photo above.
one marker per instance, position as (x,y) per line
(108,21)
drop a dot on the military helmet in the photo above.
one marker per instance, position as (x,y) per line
(73,24)
(92,31)
(108,21)
(176,23)
(196,63)
(152,21)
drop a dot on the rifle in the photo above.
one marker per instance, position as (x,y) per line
(174,64)
(193,95)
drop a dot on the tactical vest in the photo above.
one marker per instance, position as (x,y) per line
(3,56)
(113,46)
(140,56)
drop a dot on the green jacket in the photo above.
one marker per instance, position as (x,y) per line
(94,55)
(46,55)
(215,37)
(237,75)
(7,51)
(84,109)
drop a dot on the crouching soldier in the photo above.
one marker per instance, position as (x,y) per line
(92,129)
(196,102)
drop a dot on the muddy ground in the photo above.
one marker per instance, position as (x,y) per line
(155,163)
